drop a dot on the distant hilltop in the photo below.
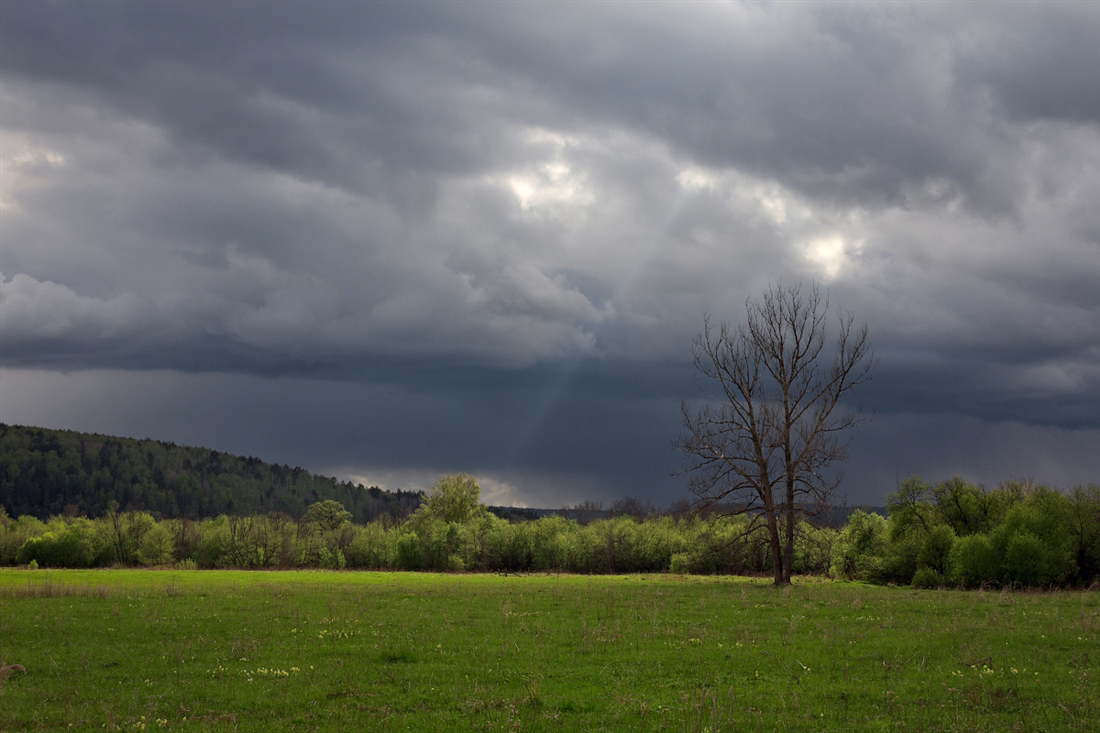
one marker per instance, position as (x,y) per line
(56,472)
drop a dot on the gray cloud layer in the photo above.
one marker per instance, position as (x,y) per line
(514,217)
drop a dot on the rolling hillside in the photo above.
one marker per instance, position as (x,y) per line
(49,472)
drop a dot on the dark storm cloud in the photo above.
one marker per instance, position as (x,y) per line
(337,92)
(1036,63)
(845,102)
(514,217)
(840,100)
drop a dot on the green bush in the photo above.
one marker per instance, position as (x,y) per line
(79,543)
(974,560)
(813,549)
(722,545)
(858,549)
(680,563)
(1045,517)
(372,547)
(330,559)
(213,537)
(409,556)
(552,539)
(936,551)
(14,533)
(926,577)
(1027,561)
(156,546)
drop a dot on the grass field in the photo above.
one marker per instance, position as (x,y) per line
(223,650)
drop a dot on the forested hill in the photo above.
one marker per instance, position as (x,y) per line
(51,472)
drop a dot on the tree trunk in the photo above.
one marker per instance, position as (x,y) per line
(788,550)
(776,546)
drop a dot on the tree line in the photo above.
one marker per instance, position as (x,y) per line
(951,534)
(958,534)
(46,473)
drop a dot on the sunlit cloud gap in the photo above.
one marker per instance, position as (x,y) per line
(527,434)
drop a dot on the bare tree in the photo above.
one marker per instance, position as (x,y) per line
(771,421)
(629,506)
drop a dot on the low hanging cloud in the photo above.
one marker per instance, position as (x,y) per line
(41,317)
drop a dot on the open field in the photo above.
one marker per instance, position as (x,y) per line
(230,650)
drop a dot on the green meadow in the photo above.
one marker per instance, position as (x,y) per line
(180,650)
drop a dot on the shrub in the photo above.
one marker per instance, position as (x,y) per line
(552,539)
(1046,516)
(76,544)
(680,563)
(330,559)
(409,556)
(858,548)
(936,552)
(213,537)
(14,533)
(813,549)
(508,546)
(1027,561)
(898,563)
(926,577)
(156,546)
(713,546)
(372,547)
(973,560)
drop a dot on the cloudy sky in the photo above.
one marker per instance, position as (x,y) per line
(387,241)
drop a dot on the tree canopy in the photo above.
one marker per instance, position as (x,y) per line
(454,498)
